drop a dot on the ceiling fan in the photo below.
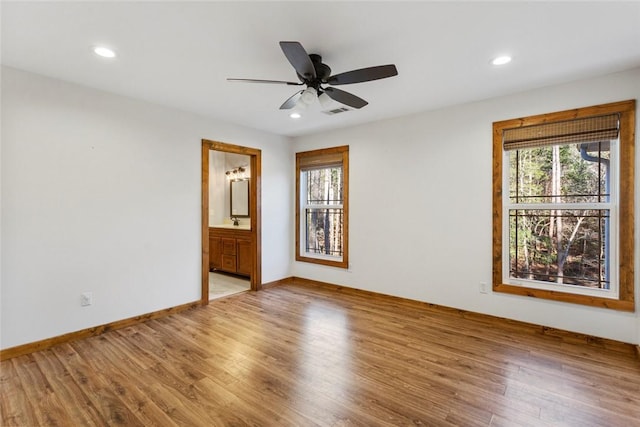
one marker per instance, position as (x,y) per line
(313,73)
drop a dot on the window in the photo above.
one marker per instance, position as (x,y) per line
(563,206)
(322,214)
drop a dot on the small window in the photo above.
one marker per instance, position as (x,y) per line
(563,197)
(322,188)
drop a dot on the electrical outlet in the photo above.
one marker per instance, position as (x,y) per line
(86,298)
(483,288)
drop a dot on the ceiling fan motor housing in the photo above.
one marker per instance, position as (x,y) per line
(323,72)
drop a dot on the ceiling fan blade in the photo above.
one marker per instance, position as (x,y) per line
(299,58)
(292,101)
(364,75)
(345,98)
(266,81)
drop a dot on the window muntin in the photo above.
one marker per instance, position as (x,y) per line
(621,202)
(322,206)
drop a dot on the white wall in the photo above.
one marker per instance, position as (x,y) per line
(420,207)
(101,193)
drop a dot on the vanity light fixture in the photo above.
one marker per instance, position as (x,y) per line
(104,52)
(237,174)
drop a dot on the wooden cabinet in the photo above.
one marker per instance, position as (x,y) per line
(243,251)
(215,252)
(230,251)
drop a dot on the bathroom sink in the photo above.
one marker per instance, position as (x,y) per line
(233,227)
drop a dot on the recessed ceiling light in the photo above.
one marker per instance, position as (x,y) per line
(105,52)
(501,60)
(295,115)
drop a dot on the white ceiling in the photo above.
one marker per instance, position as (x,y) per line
(179,54)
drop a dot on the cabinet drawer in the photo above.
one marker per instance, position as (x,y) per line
(229,263)
(229,246)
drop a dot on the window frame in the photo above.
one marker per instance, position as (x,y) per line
(623,255)
(317,155)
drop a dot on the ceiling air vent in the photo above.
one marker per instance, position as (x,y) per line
(336,111)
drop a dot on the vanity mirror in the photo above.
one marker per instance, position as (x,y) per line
(239,198)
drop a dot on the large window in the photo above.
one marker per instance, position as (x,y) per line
(322,187)
(563,206)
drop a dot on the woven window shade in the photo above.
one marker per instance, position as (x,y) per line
(589,129)
(320,161)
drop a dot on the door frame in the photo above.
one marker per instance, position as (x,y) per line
(255,184)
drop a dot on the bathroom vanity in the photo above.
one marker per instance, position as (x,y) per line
(230,249)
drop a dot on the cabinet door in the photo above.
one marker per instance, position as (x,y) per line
(228,246)
(244,257)
(215,253)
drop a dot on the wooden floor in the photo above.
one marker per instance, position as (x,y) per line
(302,355)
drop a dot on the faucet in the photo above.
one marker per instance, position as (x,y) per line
(235,220)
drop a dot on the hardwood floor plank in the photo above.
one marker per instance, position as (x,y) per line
(85,364)
(313,355)
(15,407)
(67,389)
(42,397)
(129,393)
(176,406)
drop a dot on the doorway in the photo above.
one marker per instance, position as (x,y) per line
(231,243)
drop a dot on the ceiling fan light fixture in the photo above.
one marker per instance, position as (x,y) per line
(308,96)
(325,100)
(295,115)
(301,105)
